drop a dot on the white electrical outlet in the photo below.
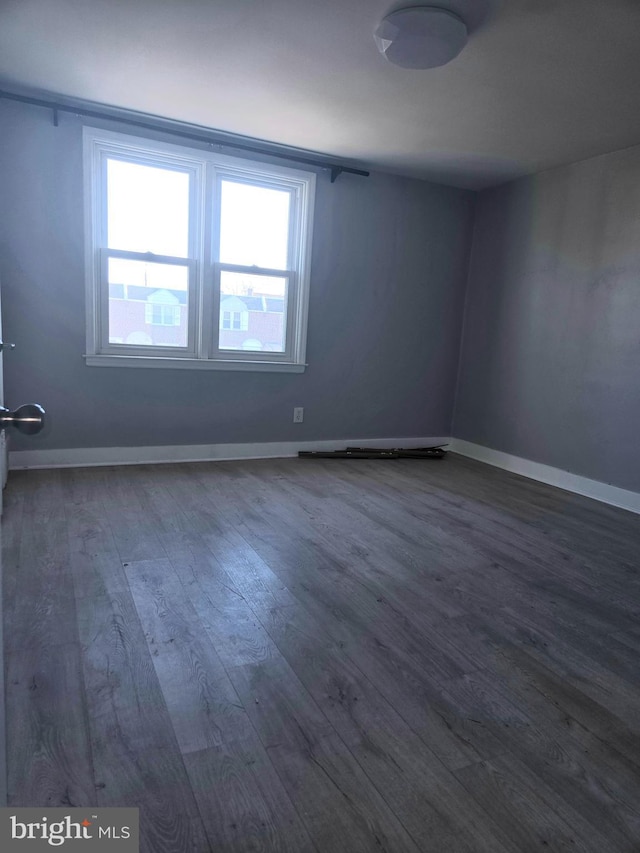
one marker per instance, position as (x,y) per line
(298,415)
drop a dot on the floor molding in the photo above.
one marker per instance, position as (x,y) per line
(80,457)
(603,492)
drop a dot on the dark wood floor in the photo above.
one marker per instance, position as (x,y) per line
(322,655)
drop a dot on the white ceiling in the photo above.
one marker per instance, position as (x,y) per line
(540,83)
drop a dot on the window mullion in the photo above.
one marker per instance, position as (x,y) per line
(214,245)
(103,301)
(292,314)
(196,243)
(204,331)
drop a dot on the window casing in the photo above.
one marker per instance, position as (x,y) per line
(208,263)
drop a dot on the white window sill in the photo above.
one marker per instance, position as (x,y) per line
(168,363)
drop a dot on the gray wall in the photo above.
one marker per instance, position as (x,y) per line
(550,365)
(388,277)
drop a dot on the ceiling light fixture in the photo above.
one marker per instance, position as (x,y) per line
(421,37)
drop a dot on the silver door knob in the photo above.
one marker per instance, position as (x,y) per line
(27,419)
(4,346)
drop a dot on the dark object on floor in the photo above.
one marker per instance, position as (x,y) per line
(377,453)
(435,452)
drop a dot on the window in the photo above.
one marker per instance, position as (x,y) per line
(177,237)
(233,320)
(234,315)
(162,315)
(162,309)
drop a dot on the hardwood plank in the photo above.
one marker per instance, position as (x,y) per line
(361,602)
(243,803)
(135,753)
(383,552)
(11,552)
(134,532)
(587,673)
(83,486)
(450,738)
(45,615)
(444,656)
(438,813)
(560,759)
(49,760)
(528,820)
(123,696)
(407,677)
(95,562)
(487,516)
(40,489)
(159,597)
(204,708)
(241,798)
(230,560)
(155,781)
(529,675)
(331,790)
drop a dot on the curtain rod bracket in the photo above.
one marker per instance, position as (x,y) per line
(55,117)
(336,171)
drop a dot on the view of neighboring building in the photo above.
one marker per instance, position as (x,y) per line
(142,316)
(252,322)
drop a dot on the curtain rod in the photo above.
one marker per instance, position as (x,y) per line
(185,131)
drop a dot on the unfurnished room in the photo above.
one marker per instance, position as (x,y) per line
(320,426)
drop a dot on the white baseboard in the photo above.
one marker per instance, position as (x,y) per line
(604,492)
(81,457)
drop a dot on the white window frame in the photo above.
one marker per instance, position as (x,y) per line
(206,171)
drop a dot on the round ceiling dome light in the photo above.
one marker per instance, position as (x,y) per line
(421,37)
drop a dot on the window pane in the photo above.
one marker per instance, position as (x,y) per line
(254,225)
(148,303)
(148,209)
(257,306)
